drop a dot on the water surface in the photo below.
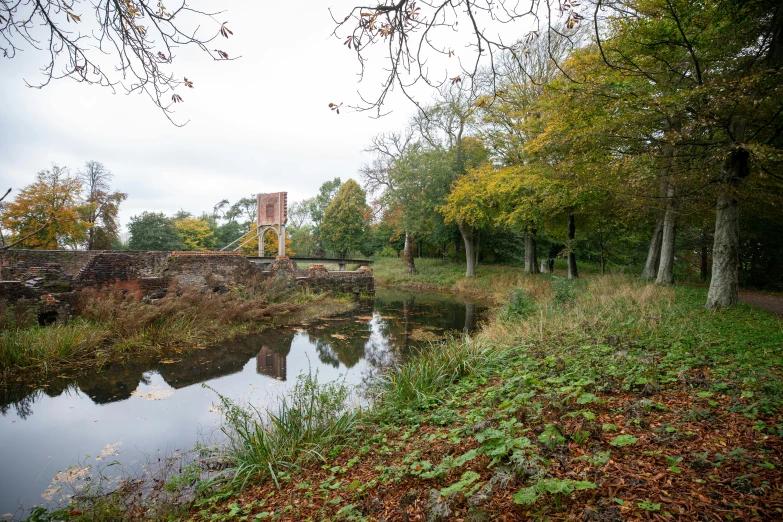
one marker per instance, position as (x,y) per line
(154,405)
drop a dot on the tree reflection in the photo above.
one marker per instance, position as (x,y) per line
(379,333)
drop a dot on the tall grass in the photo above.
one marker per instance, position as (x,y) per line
(112,325)
(311,421)
(48,346)
(418,380)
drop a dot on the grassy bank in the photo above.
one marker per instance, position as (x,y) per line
(491,282)
(601,399)
(111,327)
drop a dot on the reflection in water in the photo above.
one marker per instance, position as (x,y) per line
(45,429)
(470,317)
(271,364)
(391,323)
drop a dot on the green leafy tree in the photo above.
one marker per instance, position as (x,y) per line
(345,220)
(153,231)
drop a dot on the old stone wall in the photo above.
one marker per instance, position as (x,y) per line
(44,291)
(49,280)
(136,272)
(209,269)
(14,262)
(356,283)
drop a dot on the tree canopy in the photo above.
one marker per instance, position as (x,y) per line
(346,218)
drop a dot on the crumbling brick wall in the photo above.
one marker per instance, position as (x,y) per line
(209,269)
(140,273)
(13,263)
(50,278)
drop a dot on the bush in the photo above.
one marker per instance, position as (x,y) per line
(519,305)
(563,290)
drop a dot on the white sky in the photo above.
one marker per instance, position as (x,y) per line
(257,124)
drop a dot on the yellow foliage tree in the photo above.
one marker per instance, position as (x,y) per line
(48,211)
(196,233)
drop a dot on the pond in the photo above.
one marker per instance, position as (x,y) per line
(155,405)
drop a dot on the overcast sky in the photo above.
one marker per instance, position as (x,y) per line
(257,124)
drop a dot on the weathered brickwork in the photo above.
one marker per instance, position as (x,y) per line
(71,261)
(209,270)
(47,291)
(49,279)
(319,279)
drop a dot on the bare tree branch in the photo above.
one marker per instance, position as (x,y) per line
(126,43)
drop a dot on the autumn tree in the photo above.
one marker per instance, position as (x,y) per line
(125,45)
(101,206)
(380,180)
(48,213)
(153,231)
(710,73)
(196,233)
(345,220)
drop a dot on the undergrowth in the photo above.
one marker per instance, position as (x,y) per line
(602,399)
(110,326)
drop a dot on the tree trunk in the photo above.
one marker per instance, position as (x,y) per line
(601,245)
(572,272)
(478,242)
(724,285)
(531,257)
(704,269)
(654,252)
(470,317)
(666,267)
(468,236)
(407,254)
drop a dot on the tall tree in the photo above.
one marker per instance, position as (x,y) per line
(153,231)
(48,213)
(346,218)
(317,206)
(713,67)
(379,179)
(101,206)
(196,233)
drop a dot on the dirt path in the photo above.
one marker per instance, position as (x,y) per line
(771,302)
(764,300)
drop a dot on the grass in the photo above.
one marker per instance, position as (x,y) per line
(606,398)
(491,282)
(420,381)
(110,327)
(307,424)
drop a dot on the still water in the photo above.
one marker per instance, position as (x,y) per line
(152,406)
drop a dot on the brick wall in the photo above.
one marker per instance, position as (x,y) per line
(205,269)
(35,274)
(71,261)
(358,282)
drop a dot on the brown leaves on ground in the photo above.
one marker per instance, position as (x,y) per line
(693,460)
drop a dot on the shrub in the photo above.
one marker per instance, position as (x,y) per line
(563,290)
(518,305)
